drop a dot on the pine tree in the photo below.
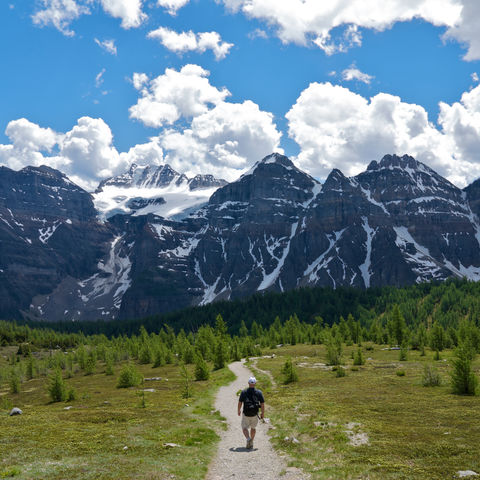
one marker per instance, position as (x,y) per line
(398,324)
(359,360)
(129,377)
(289,371)
(464,381)
(220,356)
(202,370)
(14,381)
(56,388)
(31,367)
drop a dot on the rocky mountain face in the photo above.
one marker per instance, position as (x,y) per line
(276,228)
(48,232)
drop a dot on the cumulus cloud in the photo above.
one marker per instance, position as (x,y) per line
(204,132)
(353,73)
(85,153)
(475,77)
(129,11)
(307,22)
(466,29)
(336,128)
(190,41)
(175,94)
(60,13)
(172,6)
(107,45)
(225,140)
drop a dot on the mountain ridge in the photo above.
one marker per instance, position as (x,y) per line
(274,229)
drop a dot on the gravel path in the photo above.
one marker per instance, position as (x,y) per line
(233,460)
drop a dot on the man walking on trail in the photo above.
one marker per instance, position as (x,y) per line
(252,400)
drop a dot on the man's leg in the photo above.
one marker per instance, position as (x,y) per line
(253,431)
(245,432)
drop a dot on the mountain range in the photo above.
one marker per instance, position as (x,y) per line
(152,240)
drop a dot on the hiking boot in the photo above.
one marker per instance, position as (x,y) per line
(249,443)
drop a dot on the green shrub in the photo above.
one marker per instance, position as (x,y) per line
(400,373)
(340,372)
(71,395)
(129,377)
(56,387)
(431,377)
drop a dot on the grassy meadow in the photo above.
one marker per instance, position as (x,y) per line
(402,430)
(109,432)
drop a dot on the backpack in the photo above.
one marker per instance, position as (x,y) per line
(251,404)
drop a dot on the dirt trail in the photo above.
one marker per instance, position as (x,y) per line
(233,460)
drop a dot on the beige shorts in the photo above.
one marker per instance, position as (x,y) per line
(249,422)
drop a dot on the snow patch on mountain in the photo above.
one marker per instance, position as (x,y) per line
(177,199)
(365,267)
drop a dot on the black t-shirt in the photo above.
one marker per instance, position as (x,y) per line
(251,399)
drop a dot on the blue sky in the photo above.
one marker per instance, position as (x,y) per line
(330,89)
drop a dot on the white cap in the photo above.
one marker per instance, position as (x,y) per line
(252,380)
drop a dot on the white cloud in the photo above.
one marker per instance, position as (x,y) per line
(336,128)
(466,29)
(172,6)
(60,13)
(214,136)
(130,11)
(99,78)
(353,73)
(475,77)
(85,153)
(169,97)
(107,45)
(225,140)
(257,33)
(190,41)
(312,21)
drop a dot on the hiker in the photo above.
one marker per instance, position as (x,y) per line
(252,400)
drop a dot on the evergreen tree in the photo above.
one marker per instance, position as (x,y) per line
(31,367)
(398,324)
(220,357)
(145,354)
(202,370)
(289,371)
(91,362)
(14,380)
(464,381)
(437,337)
(359,360)
(129,377)
(334,350)
(56,387)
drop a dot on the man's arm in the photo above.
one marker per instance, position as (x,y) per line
(239,408)
(262,407)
